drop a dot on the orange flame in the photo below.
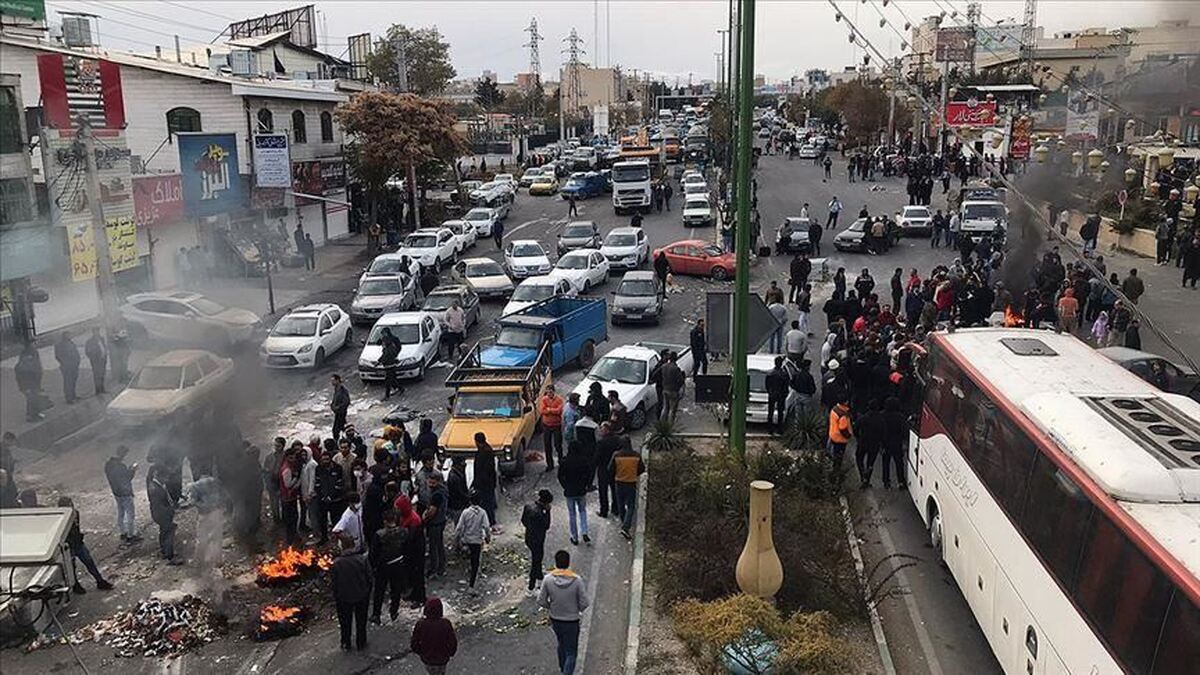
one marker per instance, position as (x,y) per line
(274,614)
(1013,318)
(291,563)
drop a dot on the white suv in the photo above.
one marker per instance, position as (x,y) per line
(431,247)
(304,337)
(626,248)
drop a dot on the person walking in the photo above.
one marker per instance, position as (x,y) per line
(339,404)
(572,209)
(895,437)
(607,445)
(1162,238)
(486,478)
(433,639)
(120,481)
(1068,311)
(574,474)
(473,530)
(835,209)
(310,253)
(840,431)
(870,439)
(97,354)
(667,192)
(387,562)
(80,552)
(1191,261)
(699,345)
(798,272)
(162,512)
(434,518)
(777,394)
(550,409)
(626,467)
(828,164)
(498,234)
(535,517)
(565,596)
(350,579)
(67,355)
(662,269)
(1133,287)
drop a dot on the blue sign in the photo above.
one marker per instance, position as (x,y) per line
(209,164)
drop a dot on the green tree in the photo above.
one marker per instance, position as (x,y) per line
(863,107)
(488,95)
(428,56)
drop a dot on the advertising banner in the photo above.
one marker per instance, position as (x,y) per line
(122,248)
(272,161)
(971,113)
(1083,117)
(333,175)
(954,45)
(306,179)
(209,164)
(1022,138)
(157,199)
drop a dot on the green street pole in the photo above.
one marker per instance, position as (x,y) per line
(741,283)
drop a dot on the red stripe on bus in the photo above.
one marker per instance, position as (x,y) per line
(1174,569)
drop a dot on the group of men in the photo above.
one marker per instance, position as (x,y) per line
(100,352)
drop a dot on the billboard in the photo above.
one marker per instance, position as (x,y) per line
(272,161)
(209,165)
(297,22)
(29,9)
(73,86)
(954,45)
(1022,137)
(157,199)
(359,47)
(1083,116)
(971,113)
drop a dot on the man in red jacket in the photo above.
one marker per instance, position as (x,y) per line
(550,407)
(433,638)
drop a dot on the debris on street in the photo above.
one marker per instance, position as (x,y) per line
(156,628)
(277,623)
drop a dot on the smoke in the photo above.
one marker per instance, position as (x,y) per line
(1048,186)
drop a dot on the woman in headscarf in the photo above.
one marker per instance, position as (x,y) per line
(1100,329)
(414,550)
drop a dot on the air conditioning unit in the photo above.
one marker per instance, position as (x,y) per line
(77,31)
(243,62)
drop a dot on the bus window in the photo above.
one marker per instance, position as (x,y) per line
(1055,519)
(1178,649)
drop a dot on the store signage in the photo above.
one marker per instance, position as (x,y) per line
(209,164)
(157,199)
(971,113)
(272,161)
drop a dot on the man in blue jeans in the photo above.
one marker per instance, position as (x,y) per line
(565,595)
(120,481)
(625,467)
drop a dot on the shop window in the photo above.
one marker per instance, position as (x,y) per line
(182,120)
(299,132)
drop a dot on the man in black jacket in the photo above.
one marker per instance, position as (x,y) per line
(870,432)
(699,344)
(895,436)
(387,561)
(329,489)
(67,355)
(339,404)
(814,237)
(574,473)
(351,582)
(120,481)
(536,519)
(798,273)
(162,511)
(661,269)
(80,550)
(390,353)
(777,393)
(459,495)
(96,351)
(607,445)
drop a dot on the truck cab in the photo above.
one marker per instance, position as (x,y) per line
(567,329)
(980,218)
(631,185)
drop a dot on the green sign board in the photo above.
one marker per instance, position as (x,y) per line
(30,9)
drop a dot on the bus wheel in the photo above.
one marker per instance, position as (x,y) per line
(935,533)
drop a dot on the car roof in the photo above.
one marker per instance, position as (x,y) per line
(385,277)
(430,230)
(540,280)
(580,252)
(480,260)
(179,357)
(908,207)
(639,275)
(625,230)
(182,296)
(589,223)
(485,209)
(316,308)
(401,318)
(525,241)
(455,221)
(454,289)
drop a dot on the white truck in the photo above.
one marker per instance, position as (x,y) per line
(629,370)
(980,218)
(631,185)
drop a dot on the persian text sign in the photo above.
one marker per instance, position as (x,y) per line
(954,45)
(1022,137)
(971,114)
(157,199)
(122,248)
(209,164)
(272,162)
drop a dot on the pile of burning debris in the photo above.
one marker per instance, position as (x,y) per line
(157,628)
(290,565)
(276,623)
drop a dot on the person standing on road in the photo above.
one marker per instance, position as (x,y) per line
(952,231)
(607,445)
(895,436)
(67,355)
(699,344)
(387,561)
(937,227)
(120,481)
(626,466)
(339,404)
(536,519)
(472,530)
(662,268)
(486,479)
(572,209)
(414,550)
(1191,261)
(667,192)
(1068,311)
(798,272)
(97,354)
(796,342)
(814,236)
(572,410)
(828,164)
(435,524)
(840,431)
(350,577)
(870,438)
(565,596)
(1162,236)
(433,638)
(390,353)
(498,234)
(550,408)
(455,320)
(329,489)
(28,372)
(835,209)
(777,394)
(79,550)
(778,312)
(897,288)
(1133,287)
(673,382)
(574,473)
(162,512)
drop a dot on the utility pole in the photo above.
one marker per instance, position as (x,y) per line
(721,81)
(1029,36)
(944,128)
(401,63)
(104,271)
(741,279)
(571,77)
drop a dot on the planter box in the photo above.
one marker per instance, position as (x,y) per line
(1138,242)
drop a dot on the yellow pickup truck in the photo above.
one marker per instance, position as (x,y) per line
(500,402)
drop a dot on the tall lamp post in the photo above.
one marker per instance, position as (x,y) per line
(741,277)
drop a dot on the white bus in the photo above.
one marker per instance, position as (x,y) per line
(1063,493)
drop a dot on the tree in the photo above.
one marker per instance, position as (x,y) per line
(863,106)
(395,133)
(487,94)
(427,54)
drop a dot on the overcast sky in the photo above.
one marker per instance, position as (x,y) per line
(672,38)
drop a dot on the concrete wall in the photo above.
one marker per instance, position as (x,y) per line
(1138,242)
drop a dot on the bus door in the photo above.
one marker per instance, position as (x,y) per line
(913,405)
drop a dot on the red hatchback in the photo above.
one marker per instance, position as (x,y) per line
(700,258)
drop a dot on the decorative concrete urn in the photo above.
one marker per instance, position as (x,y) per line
(759,571)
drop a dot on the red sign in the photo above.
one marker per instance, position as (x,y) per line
(73,86)
(1022,133)
(307,180)
(157,199)
(971,113)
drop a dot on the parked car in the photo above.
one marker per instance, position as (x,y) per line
(915,219)
(390,264)
(626,248)
(440,299)
(381,295)
(536,289)
(585,184)
(697,257)
(853,238)
(637,298)
(697,211)
(431,247)
(579,234)
(172,385)
(188,317)
(584,268)
(692,178)
(1156,370)
(544,185)
(484,276)
(695,189)
(506,178)
(792,236)
(532,173)
(484,219)
(420,337)
(629,370)
(493,194)
(525,258)
(464,234)
(305,336)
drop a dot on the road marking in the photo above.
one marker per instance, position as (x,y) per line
(585,623)
(885,653)
(509,233)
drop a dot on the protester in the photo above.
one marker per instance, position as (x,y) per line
(414,550)
(673,382)
(563,593)
(162,512)
(388,568)
(28,372)
(96,351)
(699,344)
(626,467)
(120,481)
(67,355)
(434,517)
(535,517)
(433,638)
(349,526)
(574,474)
(339,404)
(350,577)
(80,552)
(473,530)
(550,408)
(486,478)
(840,431)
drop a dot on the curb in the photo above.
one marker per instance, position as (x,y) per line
(636,582)
(885,653)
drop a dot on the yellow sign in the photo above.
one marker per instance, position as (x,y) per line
(122,248)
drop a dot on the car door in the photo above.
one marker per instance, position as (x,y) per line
(471,306)
(599,268)
(446,247)
(179,321)
(643,245)
(432,335)
(692,260)
(341,327)
(325,334)
(508,259)
(192,385)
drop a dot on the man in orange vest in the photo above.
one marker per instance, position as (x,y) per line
(840,431)
(550,407)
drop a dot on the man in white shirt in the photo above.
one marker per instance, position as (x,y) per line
(835,208)
(349,526)
(308,500)
(455,321)
(952,235)
(796,342)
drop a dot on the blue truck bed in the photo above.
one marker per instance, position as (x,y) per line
(571,326)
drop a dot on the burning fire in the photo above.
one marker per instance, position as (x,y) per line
(1013,318)
(291,563)
(275,622)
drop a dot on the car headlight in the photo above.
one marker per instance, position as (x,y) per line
(365,363)
(305,349)
(412,360)
(508,452)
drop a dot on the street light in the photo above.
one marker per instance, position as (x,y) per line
(1040,153)
(1131,175)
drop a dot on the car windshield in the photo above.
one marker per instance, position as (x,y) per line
(420,241)
(516,336)
(857,226)
(456,228)
(696,204)
(578,231)
(544,179)
(478,215)
(206,306)
(642,288)
(527,250)
(381,287)
(916,213)
(630,174)
(621,239)
(573,262)
(406,333)
(695,188)
(758,381)
(295,326)
(437,302)
(386,266)
(613,369)
(502,404)
(531,173)
(484,269)
(983,212)
(712,251)
(533,292)
(158,377)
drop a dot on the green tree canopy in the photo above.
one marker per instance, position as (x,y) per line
(428,56)
(488,95)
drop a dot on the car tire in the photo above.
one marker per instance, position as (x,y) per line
(637,417)
(319,358)
(349,339)
(719,273)
(587,286)
(587,355)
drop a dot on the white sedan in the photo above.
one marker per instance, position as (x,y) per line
(536,289)
(431,247)
(584,268)
(483,219)
(389,265)
(464,234)
(305,336)
(525,258)
(420,337)
(180,382)
(188,317)
(484,276)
